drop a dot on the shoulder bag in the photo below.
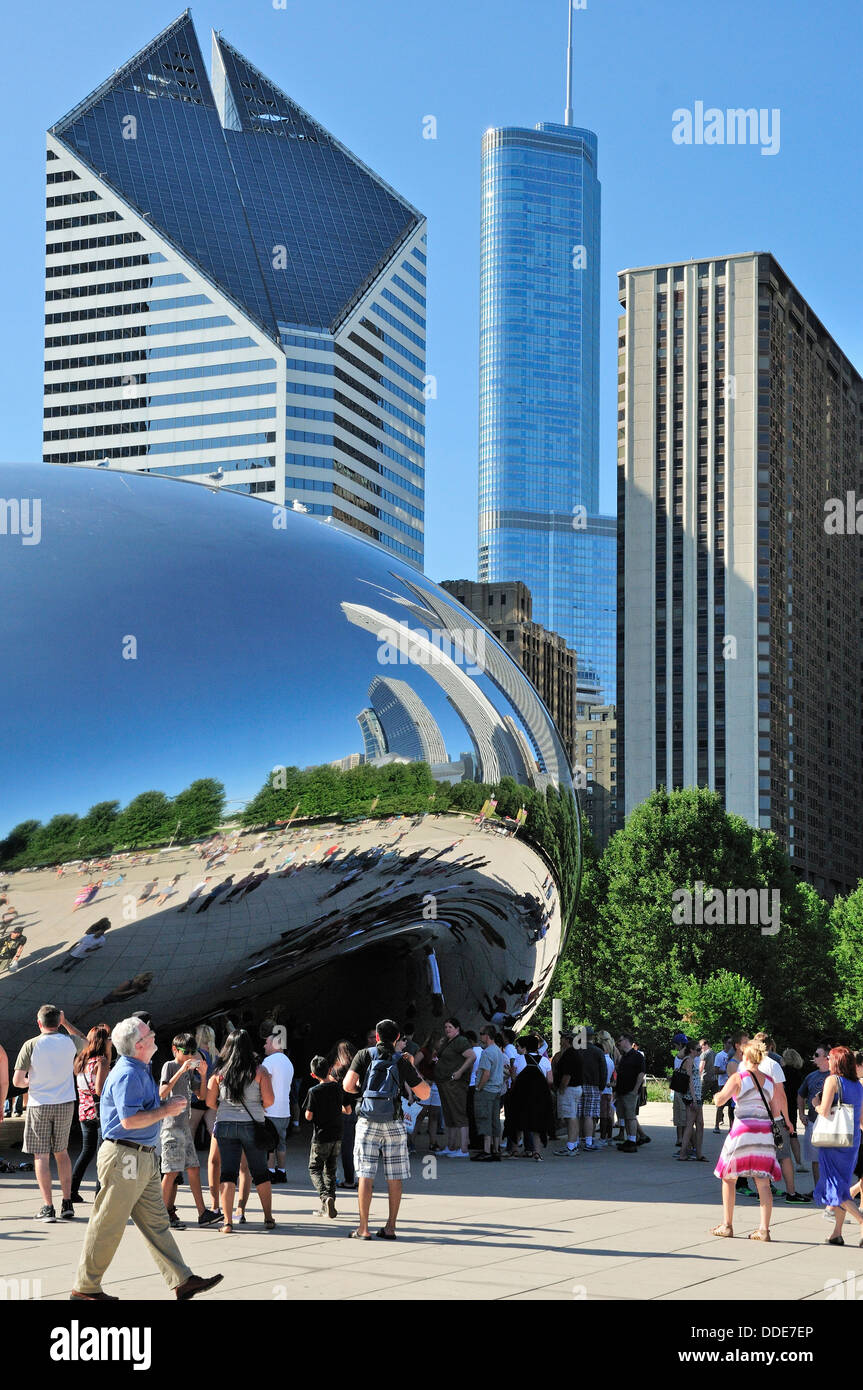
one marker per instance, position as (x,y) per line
(835,1131)
(266,1134)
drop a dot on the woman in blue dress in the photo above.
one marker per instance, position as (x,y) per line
(833,1188)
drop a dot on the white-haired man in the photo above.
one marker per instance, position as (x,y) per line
(131,1113)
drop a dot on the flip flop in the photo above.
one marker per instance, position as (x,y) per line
(386,1235)
(358,1235)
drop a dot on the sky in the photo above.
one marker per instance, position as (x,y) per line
(373,73)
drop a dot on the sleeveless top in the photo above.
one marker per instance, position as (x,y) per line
(232,1110)
(750,1106)
(85,1081)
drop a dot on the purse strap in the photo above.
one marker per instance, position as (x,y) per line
(763,1097)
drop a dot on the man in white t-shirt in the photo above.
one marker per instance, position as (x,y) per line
(44,1067)
(474,1142)
(281,1070)
(87,946)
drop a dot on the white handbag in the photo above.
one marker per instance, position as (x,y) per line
(836,1130)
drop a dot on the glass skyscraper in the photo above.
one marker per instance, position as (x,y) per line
(539,386)
(232,296)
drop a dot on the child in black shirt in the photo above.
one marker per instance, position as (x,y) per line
(324,1106)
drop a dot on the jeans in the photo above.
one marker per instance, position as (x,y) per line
(322,1166)
(91,1135)
(235,1138)
(348,1133)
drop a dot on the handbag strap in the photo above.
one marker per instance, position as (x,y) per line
(763,1097)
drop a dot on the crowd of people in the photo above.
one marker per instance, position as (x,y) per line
(483,1096)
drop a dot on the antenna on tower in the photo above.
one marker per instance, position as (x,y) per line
(567,118)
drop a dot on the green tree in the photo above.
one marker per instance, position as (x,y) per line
(846,929)
(98,829)
(198,808)
(145,820)
(717,1005)
(15,846)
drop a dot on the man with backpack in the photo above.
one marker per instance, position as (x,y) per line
(378,1075)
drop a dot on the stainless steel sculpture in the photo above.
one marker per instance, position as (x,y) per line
(155,632)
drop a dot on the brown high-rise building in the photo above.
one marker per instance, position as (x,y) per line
(543,656)
(740,424)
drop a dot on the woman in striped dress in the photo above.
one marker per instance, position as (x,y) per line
(749,1150)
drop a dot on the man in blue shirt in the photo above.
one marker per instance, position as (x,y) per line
(128,1169)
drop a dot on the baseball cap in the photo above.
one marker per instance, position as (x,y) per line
(567,1032)
(144,1016)
(679,1039)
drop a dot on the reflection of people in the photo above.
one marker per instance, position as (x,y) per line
(87,895)
(87,946)
(139,984)
(11,949)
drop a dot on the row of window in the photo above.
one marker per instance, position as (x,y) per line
(62,200)
(115,287)
(152,306)
(90,243)
(264,388)
(107,383)
(396,323)
(62,364)
(141,450)
(412,270)
(107,263)
(86,219)
(409,289)
(107,335)
(179,422)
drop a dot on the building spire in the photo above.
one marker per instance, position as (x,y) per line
(567,119)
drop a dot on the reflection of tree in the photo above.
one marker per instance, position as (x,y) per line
(149,819)
(552,824)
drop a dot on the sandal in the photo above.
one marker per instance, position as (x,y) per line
(226,1228)
(359,1235)
(758,1235)
(726,1231)
(836,1240)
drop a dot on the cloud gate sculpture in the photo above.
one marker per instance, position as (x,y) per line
(201,687)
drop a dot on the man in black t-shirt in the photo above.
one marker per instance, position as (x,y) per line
(324,1106)
(630,1074)
(569,1076)
(377,1134)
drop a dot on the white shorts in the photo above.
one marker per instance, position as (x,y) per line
(567,1103)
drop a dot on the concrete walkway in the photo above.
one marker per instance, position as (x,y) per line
(608,1226)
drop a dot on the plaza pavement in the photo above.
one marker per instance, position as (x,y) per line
(610,1226)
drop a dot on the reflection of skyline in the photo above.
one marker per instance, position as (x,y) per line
(498,752)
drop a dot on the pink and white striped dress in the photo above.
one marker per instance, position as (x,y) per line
(749,1150)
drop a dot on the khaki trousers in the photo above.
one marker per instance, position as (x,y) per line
(130,1187)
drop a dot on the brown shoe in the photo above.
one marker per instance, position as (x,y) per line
(196,1284)
(99,1297)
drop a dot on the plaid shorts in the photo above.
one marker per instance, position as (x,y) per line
(373,1140)
(588,1106)
(46,1128)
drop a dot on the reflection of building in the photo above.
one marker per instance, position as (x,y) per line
(374,742)
(346,764)
(739,419)
(539,385)
(233,296)
(408,726)
(498,752)
(543,656)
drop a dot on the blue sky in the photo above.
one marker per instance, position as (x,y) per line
(372,72)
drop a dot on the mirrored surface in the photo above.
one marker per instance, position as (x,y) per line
(202,688)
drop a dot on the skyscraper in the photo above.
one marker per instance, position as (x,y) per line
(539,384)
(232,296)
(740,422)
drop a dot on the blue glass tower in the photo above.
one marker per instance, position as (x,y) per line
(539,386)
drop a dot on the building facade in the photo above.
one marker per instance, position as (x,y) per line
(232,296)
(740,425)
(539,385)
(543,656)
(595,769)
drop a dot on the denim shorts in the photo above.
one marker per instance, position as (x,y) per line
(235,1138)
